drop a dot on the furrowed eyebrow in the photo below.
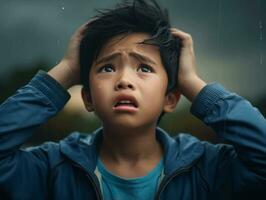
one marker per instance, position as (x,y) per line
(142,58)
(108,58)
(133,54)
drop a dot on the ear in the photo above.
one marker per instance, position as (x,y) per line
(86,97)
(171,100)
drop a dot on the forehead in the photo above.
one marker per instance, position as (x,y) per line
(129,43)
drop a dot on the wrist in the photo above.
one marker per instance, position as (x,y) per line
(63,75)
(190,87)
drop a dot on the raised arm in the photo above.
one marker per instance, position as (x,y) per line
(20,116)
(234,120)
(67,72)
(188,81)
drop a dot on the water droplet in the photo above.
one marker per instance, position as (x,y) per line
(261,30)
(260,24)
(63,8)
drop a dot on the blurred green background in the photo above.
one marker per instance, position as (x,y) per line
(229,42)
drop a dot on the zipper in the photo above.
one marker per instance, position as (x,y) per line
(97,191)
(94,184)
(166,181)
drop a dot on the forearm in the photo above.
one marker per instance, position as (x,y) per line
(236,121)
(190,87)
(67,72)
(31,106)
(63,74)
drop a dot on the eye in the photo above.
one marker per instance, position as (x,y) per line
(106,68)
(145,68)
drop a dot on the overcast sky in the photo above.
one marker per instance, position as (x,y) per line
(229,35)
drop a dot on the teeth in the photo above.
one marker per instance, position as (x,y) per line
(125,101)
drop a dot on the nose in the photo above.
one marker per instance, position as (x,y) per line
(124,82)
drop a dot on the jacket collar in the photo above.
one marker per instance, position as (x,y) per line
(179,152)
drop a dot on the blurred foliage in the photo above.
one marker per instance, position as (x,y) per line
(18,77)
(261,105)
(66,122)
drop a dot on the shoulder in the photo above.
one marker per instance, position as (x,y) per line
(215,161)
(217,157)
(51,153)
(48,152)
(213,156)
(210,149)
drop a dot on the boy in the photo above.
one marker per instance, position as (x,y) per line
(133,68)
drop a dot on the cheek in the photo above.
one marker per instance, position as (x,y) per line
(98,93)
(155,92)
(95,87)
(98,87)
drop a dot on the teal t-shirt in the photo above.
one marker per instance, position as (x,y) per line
(119,188)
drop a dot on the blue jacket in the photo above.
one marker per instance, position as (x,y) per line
(193,169)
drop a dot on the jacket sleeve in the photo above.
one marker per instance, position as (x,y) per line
(20,116)
(239,124)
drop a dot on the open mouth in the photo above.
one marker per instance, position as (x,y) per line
(126,103)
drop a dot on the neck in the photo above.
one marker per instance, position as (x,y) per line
(130,146)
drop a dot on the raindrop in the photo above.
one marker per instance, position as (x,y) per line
(219,27)
(261,38)
(261,30)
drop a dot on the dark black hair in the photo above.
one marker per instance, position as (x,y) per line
(131,17)
(126,18)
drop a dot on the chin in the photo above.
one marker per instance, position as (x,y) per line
(129,123)
(124,124)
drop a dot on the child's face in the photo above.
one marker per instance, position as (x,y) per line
(134,71)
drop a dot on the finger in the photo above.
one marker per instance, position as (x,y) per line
(185,37)
(84,26)
(179,33)
(89,22)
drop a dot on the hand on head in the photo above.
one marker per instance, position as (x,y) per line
(189,83)
(67,71)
